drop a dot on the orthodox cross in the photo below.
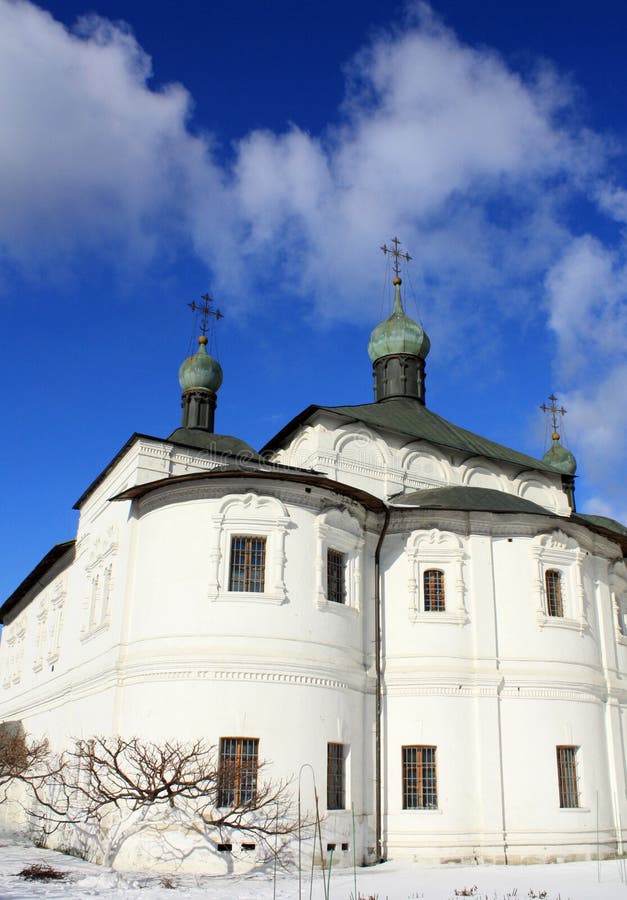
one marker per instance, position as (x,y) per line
(397,254)
(554,410)
(206,311)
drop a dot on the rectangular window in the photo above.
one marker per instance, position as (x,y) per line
(553,584)
(248,563)
(420,789)
(433,586)
(237,773)
(336,792)
(567,777)
(336,566)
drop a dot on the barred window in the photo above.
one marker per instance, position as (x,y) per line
(248,562)
(433,588)
(567,777)
(553,584)
(237,773)
(420,790)
(336,567)
(336,790)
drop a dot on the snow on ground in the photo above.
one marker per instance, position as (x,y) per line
(390,881)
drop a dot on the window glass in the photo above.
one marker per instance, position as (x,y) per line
(336,567)
(433,587)
(237,774)
(248,562)
(567,777)
(554,602)
(420,789)
(336,793)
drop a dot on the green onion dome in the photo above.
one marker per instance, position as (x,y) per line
(559,458)
(398,333)
(200,371)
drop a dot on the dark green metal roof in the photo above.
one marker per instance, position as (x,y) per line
(214,443)
(469,499)
(296,476)
(408,417)
(604,522)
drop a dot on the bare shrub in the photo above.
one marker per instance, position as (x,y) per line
(21,758)
(41,872)
(104,791)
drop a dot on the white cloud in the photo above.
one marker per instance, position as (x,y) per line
(430,131)
(471,163)
(597,415)
(587,295)
(587,300)
(89,154)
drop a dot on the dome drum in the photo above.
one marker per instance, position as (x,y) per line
(199,406)
(399,375)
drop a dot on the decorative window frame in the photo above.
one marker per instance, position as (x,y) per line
(55,616)
(435,549)
(99,573)
(618,588)
(41,618)
(8,642)
(560,552)
(337,529)
(15,636)
(249,515)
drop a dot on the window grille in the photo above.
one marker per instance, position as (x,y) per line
(336,567)
(553,583)
(420,790)
(237,773)
(248,562)
(336,792)
(567,777)
(433,585)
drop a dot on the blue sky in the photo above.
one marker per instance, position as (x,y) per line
(263,152)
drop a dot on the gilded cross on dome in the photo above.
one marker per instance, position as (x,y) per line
(397,254)
(555,411)
(206,310)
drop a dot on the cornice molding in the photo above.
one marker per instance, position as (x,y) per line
(303,496)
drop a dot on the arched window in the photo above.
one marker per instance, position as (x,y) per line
(433,590)
(553,585)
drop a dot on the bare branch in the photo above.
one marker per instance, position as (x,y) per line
(110,789)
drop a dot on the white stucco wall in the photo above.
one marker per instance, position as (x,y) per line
(493,682)
(357,455)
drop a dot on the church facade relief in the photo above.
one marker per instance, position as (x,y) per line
(99,580)
(558,585)
(264,518)
(436,587)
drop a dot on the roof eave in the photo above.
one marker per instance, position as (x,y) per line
(43,566)
(369,501)
(136,436)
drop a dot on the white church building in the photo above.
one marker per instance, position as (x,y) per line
(413,610)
